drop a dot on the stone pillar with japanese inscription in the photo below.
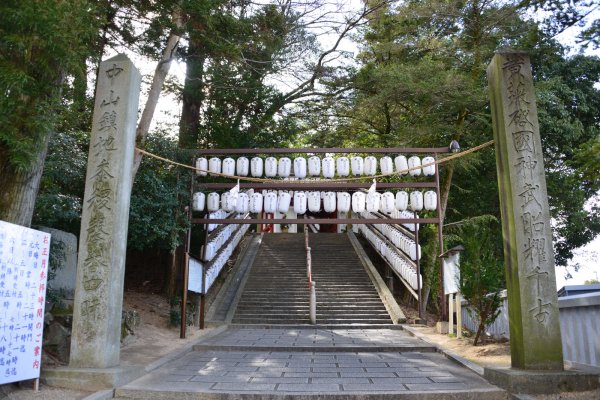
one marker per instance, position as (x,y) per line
(95,341)
(535,339)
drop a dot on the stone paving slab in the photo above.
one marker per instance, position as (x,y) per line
(301,363)
(307,339)
(272,376)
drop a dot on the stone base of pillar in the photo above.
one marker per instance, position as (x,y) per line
(91,379)
(519,381)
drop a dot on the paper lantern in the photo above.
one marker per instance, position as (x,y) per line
(256,203)
(241,166)
(283,202)
(329,202)
(284,169)
(430,200)
(409,215)
(243,203)
(256,167)
(388,202)
(343,201)
(228,202)
(413,162)
(213,202)
(314,166)
(198,201)
(300,167)
(370,165)
(270,202)
(386,165)
(328,167)
(373,200)
(414,251)
(300,202)
(416,200)
(401,165)
(358,165)
(270,167)
(401,201)
(214,165)
(358,202)
(210,251)
(430,169)
(343,166)
(202,166)
(229,166)
(314,201)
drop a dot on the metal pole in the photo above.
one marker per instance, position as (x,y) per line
(440,224)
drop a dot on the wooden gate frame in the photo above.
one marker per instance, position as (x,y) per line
(317,185)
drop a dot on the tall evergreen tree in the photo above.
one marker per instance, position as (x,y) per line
(42,44)
(421,82)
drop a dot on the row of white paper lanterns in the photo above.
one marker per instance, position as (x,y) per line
(222,256)
(398,239)
(272,202)
(217,241)
(399,264)
(315,166)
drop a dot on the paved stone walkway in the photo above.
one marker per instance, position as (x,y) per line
(271,366)
(309,339)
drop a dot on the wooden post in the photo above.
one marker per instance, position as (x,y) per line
(440,224)
(202,307)
(450,313)
(419,298)
(458,315)
(186,261)
(202,296)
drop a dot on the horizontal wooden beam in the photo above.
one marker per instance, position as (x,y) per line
(317,185)
(305,221)
(373,150)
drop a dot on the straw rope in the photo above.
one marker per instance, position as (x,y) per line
(302,181)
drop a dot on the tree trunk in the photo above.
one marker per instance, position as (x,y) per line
(160,74)
(445,192)
(171,275)
(193,96)
(483,316)
(480,330)
(20,187)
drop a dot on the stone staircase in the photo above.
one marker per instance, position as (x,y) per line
(276,291)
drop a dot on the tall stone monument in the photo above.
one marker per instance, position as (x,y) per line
(95,341)
(535,340)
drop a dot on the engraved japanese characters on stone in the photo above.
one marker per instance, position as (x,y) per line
(113,72)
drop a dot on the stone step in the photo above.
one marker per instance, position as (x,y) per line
(326,321)
(276,289)
(320,306)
